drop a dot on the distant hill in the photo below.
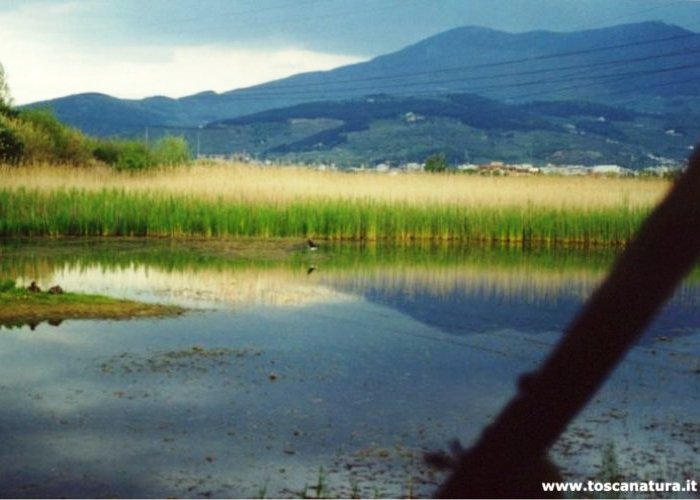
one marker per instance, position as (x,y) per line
(104,115)
(465,127)
(651,66)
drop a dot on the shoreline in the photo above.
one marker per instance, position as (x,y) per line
(23,307)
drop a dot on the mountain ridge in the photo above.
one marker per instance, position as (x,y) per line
(650,68)
(465,127)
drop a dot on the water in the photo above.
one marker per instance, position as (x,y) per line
(284,382)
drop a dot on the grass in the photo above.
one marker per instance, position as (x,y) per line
(243,201)
(18,306)
(241,182)
(112,212)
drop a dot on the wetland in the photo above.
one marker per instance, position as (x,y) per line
(326,373)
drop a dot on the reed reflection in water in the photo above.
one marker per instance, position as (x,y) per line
(372,358)
(291,283)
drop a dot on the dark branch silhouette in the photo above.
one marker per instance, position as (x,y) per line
(509,459)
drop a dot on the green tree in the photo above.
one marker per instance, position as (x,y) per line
(107,151)
(436,163)
(170,150)
(5,96)
(11,146)
(133,156)
(47,139)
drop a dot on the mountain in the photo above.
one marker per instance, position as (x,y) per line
(651,66)
(104,115)
(465,127)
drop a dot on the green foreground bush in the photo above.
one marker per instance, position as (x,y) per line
(36,136)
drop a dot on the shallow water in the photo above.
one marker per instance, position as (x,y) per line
(282,377)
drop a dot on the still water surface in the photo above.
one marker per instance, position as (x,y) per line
(294,368)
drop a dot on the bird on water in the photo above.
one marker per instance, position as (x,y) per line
(312,246)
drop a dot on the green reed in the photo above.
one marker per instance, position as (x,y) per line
(117,212)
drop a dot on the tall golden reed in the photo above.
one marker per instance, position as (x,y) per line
(241,182)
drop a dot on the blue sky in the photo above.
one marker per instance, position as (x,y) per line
(134,48)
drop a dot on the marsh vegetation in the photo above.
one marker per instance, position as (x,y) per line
(243,201)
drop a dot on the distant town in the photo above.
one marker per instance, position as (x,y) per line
(666,168)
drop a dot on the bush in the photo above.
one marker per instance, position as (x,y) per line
(6,110)
(37,136)
(11,146)
(133,156)
(6,285)
(436,163)
(107,152)
(45,138)
(38,146)
(170,150)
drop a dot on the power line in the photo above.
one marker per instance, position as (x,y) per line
(341,93)
(262,94)
(597,79)
(470,67)
(392,82)
(433,94)
(620,77)
(338,89)
(617,77)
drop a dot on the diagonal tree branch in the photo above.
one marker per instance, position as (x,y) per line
(509,460)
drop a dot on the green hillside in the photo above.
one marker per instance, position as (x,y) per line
(649,66)
(464,127)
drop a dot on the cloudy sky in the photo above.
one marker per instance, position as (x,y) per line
(135,48)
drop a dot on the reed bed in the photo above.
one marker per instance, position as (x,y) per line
(117,212)
(244,201)
(242,182)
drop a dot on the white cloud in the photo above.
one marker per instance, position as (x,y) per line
(43,60)
(187,70)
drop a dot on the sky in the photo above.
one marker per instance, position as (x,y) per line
(135,48)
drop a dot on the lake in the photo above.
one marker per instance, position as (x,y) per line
(316,373)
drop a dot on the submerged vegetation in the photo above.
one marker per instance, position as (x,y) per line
(241,201)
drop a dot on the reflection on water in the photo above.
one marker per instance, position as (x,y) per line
(200,288)
(356,367)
